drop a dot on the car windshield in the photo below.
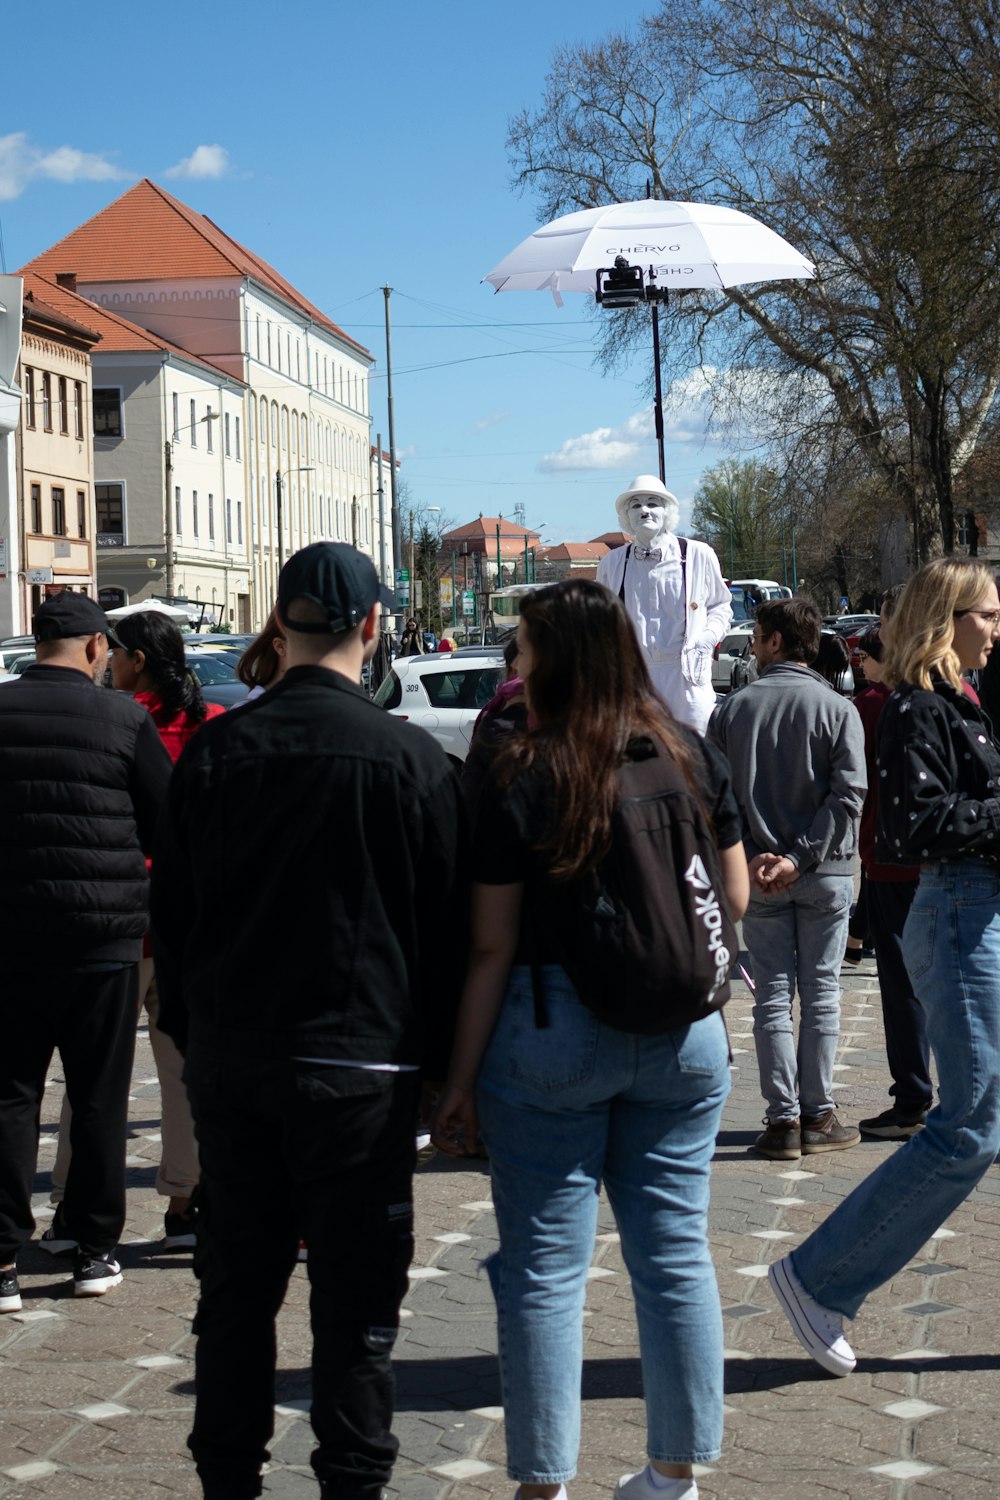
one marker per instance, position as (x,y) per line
(210,668)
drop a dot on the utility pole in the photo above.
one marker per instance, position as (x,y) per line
(381,513)
(278,519)
(397,525)
(413,580)
(168,518)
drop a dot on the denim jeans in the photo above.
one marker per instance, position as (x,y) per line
(798,937)
(951,943)
(561,1108)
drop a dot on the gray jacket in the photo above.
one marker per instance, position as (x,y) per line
(797,753)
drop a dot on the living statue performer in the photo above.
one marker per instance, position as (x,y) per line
(676,597)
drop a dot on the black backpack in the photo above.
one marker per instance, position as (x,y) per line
(646,937)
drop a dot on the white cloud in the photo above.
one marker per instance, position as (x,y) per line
(22,163)
(603,448)
(491,421)
(204,161)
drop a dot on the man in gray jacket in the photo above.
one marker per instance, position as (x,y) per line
(796,749)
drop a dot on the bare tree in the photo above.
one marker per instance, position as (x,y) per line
(864,133)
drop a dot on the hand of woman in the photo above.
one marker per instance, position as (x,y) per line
(455,1127)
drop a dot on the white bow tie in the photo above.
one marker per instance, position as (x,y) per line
(649,554)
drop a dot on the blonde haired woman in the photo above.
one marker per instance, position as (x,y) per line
(939,808)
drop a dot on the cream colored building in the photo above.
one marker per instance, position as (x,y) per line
(306,425)
(54,453)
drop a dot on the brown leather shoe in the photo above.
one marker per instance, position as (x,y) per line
(780,1141)
(825,1133)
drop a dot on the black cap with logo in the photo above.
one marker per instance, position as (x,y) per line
(70,615)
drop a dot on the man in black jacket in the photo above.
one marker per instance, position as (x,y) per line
(309,846)
(82,775)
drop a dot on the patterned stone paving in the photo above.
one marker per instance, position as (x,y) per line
(95,1394)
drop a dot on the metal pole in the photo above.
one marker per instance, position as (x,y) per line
(499,566)
(454,601)
(658,396)
(413,581)
(354,521)
(732,564)
(168,518)
(784,554)
(795,571)
(381,514)
(397,525)
(281,533)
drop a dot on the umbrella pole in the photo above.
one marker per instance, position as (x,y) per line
(658,398)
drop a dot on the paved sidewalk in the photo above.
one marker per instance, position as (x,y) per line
(95,1394)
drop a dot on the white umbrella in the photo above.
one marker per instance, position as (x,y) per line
(661,245)
(152,607)
(681,244)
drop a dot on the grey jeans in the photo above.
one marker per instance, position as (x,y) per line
(796,939)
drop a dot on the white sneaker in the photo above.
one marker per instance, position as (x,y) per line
(649,1485)
(819,1331)
(562,1495)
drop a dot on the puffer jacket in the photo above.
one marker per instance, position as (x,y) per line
(82,775)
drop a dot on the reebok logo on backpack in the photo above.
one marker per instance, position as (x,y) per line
(646,937)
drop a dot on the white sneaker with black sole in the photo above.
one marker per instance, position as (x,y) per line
(819,1331)
(10,1291)
(93,1275)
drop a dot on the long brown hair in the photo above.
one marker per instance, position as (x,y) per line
(590,694)
(260,664)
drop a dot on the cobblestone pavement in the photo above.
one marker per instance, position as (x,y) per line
(95,1394)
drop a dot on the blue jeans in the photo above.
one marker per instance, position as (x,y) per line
(561,1108)
(798,937)
(951,943)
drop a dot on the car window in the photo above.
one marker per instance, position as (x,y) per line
(734,643)
(461,689)
(390,692)
(210,669)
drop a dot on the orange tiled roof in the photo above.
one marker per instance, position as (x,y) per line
(574,552)
(117,334)
(486,526)
(41,302)
(147,235)
(612,538)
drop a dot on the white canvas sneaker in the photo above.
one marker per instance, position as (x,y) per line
(649,1485)
(818,1330)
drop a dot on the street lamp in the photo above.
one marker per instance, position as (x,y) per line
(281,474)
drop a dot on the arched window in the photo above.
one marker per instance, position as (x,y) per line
(284,427)
(274,424)
(319,442)
(262,428)
(305,440)
(295,434)
(328,442)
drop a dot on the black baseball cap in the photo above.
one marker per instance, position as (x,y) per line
(71,614)
(337,577)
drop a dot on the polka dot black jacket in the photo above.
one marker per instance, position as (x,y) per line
(938,778)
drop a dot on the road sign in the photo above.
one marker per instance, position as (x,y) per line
(3,557)
(468,604)
(402,585)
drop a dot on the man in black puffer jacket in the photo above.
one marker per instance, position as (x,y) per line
(82,776)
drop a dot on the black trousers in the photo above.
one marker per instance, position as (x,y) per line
(906,1046)
(336,1150)
(90,1018)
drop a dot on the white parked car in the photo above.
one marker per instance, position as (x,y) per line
(727,653)
(444,693)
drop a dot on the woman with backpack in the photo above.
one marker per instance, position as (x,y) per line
(579,1085)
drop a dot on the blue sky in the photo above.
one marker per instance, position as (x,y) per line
(353,146)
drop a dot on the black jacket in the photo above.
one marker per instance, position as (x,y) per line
(308,882)
(938,778)
(82,775)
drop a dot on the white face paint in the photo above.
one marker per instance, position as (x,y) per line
(648,520)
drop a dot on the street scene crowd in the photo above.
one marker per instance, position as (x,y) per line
(612,826)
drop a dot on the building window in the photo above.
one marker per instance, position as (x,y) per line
(269,360)
(262,424)
(176,404)
(211,518)
(225,434)
(81,513)
(58,511)
(178,512)
(239,523)
(107,411)
(77,410)
(194,425)
(274,424)
(194,514)
(36,509)
(29,395)
(284,427)
(63,406)
(109,503)
(47,402)
(229,522)
(209,415)
(239,441)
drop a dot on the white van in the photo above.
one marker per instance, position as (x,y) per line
(749,592)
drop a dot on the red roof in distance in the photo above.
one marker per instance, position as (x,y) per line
(148,235)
